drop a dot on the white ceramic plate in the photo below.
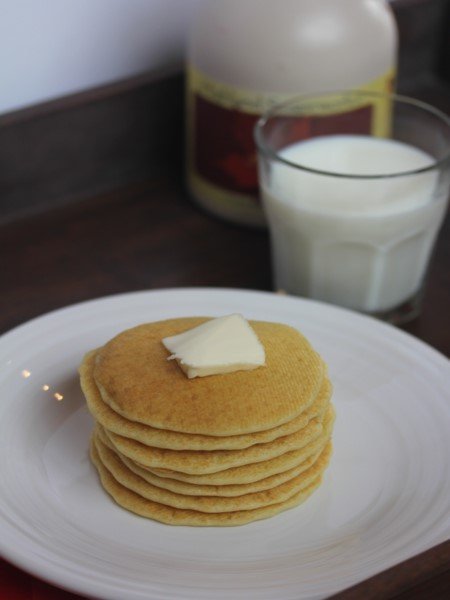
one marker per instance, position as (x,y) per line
(385,498)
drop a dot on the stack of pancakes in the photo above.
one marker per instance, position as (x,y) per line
(217,450)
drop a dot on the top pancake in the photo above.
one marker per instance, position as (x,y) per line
(137,381)
(174,440)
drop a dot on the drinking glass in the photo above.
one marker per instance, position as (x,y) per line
(354,212)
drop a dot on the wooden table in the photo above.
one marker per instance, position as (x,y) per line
(150,236)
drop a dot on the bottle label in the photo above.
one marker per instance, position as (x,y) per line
(221,154)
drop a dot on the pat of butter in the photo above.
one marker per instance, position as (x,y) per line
(221,345)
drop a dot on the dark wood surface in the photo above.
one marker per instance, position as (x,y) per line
(150,236)
(59,152)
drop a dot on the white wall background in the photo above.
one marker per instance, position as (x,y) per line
(49,48)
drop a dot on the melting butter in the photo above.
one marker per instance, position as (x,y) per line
(218,346)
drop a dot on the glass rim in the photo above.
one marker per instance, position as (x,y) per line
(263,148)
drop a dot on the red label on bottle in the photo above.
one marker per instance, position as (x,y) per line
(224,150)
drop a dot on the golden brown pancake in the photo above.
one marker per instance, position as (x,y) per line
(176,516)
(173,440)
(192,489)
(137,381)
(210,504)
(217,450)
(200,462)
(255,471)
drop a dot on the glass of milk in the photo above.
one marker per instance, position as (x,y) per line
(354,210)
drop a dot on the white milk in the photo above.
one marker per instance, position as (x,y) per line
(360,243)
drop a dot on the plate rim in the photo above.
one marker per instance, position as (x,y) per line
(346,312)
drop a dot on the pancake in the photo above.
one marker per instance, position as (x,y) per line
(256,471)
(214,504)
(173,440)
(203,462)
(175,516)
(137,381)
(221,450)
(192,489)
